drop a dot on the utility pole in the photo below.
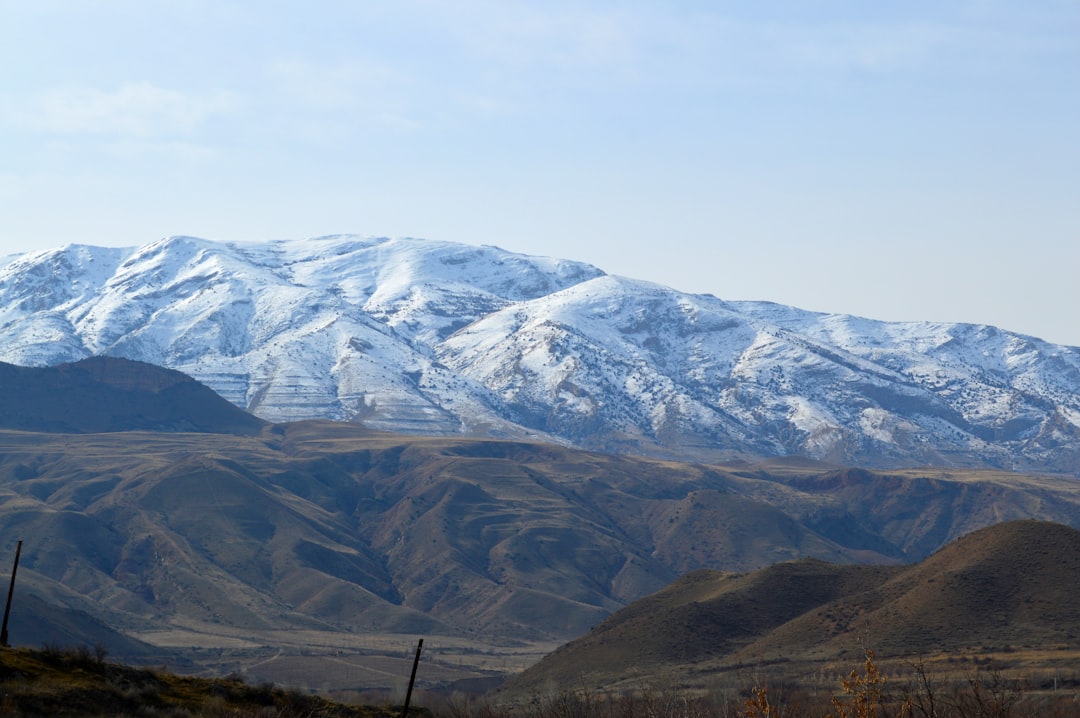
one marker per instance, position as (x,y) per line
(11,590)
(412,679)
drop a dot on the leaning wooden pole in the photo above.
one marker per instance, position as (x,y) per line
(412,679)
(11,590)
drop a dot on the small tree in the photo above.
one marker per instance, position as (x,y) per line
(991,696)
(758,706)
(864,692)
(922,699)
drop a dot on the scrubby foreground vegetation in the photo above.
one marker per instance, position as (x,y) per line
(908,689)
(80,682)
(917,691)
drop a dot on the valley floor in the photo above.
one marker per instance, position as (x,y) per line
(332,662)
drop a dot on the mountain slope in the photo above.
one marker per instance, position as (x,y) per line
(258,543)
(1009,585)
(439,338)
(111,394)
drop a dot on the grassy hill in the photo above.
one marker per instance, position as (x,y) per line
(1006,589)
(78,682)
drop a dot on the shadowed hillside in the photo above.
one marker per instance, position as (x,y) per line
(106,394)
(1007,587)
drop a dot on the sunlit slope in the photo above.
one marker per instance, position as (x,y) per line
(446,339)
(323,526)
(1008,587)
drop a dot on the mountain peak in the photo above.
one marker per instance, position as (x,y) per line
(441,338)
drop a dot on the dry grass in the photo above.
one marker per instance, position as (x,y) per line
(872,689)
(328,526)
(79,682)
(1003,596)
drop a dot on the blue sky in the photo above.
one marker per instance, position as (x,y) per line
(897,160)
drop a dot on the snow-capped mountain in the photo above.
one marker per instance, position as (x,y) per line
(432,337)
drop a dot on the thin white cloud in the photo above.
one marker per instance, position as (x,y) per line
(138,109)
(327,101)
(173,150)
(336,85)
(556,37)
(864,47)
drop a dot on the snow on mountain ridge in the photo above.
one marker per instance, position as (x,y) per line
(435,337)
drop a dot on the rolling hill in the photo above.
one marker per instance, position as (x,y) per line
(278,553)
(315,552)
(1004,588)
(105,394)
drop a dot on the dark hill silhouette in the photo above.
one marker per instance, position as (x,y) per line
(109,394)
(1006,586)
(53,625)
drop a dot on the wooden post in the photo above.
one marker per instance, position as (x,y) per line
(11,590)
(412,679)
